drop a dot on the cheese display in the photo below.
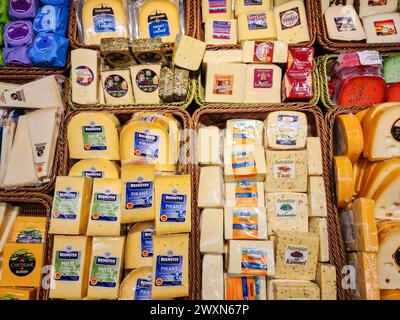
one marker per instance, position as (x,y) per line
(212,231)
(139,245)
(95,168)
(213,277)
(210,188)
(136,285)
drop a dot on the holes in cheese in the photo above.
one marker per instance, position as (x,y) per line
(136,285)
(387,197)
(139,245)
(95,168)
(344,180)
(349,136)
(188,53)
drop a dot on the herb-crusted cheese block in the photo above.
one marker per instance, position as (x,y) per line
(326,280)
(319,226)
(317,197)
(296,255)
(391,69)
(279,289)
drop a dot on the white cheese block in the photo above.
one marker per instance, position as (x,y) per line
(117,87)
(9,127)
(216,10)
(245,6)
(382,28)
(244,194)
(242,131)
(317,197)
(221,32)
(326,280)
(325,4)
(372,7)
(292,290)
(245,223)
(5,86)
(222,56)
(343,23)
(265,51)
(212,284)
(211,188)
(209,147)
(212,231)
(319,226)
(314,156)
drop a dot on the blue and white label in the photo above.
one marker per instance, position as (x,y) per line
(104,20)
(138,195)
(146,243)
(168,271)
(143,289)
(45,20)
(221,30)
(158,25)
(146,145)
(287,130)
(173,208)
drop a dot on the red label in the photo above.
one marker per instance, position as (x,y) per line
(223,84)
(263,78)
(385,28)
(263,51)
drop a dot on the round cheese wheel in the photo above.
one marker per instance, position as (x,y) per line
(349,136)
(344,180)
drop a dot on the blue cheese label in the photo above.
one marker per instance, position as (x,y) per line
(221,30)
(168,270)
(104,271)
(146,243)
(173,207)
(138,194)
(93,173)
(296,255)
(104,19)
(65,204)
(257,21)
(67,265)
(158,25)
(146,145)
(143,289)
(287,130)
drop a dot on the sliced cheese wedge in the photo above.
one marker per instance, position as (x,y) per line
(387,197)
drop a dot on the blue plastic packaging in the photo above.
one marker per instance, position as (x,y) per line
(49,50)
(65,3)
(51,19)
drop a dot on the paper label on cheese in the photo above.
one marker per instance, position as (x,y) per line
(217,6)
(168,270)
(93,173)
(147,80)
(221,30)
(244,224)
(138,194)
(290,18)
(143,289)
(373,3)
(246,194)
(116,86)
(146,243)
(29,235)
(223,84)
(263,78)
(158,25)
(296,255)
(345,24)
(369,58)
(287,130)
(173,207)
(84,76)
(252,2)
(244,161)
(263,51)
(284,169)
(105,206)
(94,137)
(67,265)
(249,287)
(65,204)
(254,261)
(146,145)
(396,130)
(349,233)
(244,133)
(104,19)
(385,28)
(104,271)
(286,208)
(257,21)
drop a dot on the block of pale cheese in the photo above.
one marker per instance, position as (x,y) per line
(244,131)
(173,204)
(263,51)
(146,82)
(117,87)
(220,32)
(105,208)
(286,130)
(319,226)
(382,28)
(245,223)
(70,260)
(251,257)
(245,6)
(8,216)
(365,231)
(222,56)
(188,52)
(244,194)
(212,231)
(13,293)
(325,4)
(71,205)
(209,149)
(212,280)
(256,25)
(287,211)
(106,264)
(286,171)
(216,9)
(279,289)
(170,266)
(244,162)
(139,245)
(314,152)
(342,23)
(211,193)
(373,7)
(84,76)
(326,280)
(245,288)
(95,168)
(225,82)
(136,285)
(296,255)
(317,197)
(291,22)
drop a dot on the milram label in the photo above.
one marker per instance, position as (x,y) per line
(104,271)
(286,208)
(105,206)
(173,207)
(67,265)
(138,194)
(65,204)
(169,270)
(296,255)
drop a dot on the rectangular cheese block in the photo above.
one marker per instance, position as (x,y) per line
(170,266)
(117,87)
(221,32)
(222,56)
(209,147)
(211,194)
(342,23)
(137,193)
(85,76)
(296,255)
(10,293)
(28,229)
(244,194)
(365,230)
(366,281)
(314,156)
(326,280)
(287,211)
(216,9)
(139,245)
(105,208)
(391,69)
(173,204)
(244,162)
(212,281)
(106,264)
(263,84)
(263,51)
(256,25)
(317,197)
(71,205)
(225,82)
(279,289)
(145,82)
(244,131)
(70,260)
(8,216)
(188,52)
(325,4)
(245,288)
(286,171)
(246,223)
(291,22)
(245,6)
(251,257)
(382,28)
(319,226)
(212,231)
(373,7)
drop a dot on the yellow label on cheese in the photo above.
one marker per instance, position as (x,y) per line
(139,245)
(95,168)
(29,230)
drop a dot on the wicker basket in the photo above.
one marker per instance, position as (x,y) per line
(39,205)
(218,114)
(59,154)
(340,46)
(186,166)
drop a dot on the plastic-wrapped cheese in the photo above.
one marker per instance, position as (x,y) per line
(139,245)
(382,28)
(245,223)
(244,131)
(244,194)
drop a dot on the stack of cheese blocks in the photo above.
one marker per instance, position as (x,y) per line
(367,176)
(380,21)
(95,203)
(276,243)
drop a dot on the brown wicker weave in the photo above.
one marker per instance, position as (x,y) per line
(186,166)
(340,46)
(59,155)
(218,114)
(35,204)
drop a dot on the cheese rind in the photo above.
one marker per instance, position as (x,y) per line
(212,287)
(366,234)
(139,245)
(326,280)
(95,168)
(319,226)
(386,198)
(212,231)
(243,223)
(136,285)
(344,180)
(314,152)
(210,194)
(349,136)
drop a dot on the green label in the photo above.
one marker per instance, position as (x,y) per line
(105,206)
(65,204)
(67,265)
(104,271)
(94,137)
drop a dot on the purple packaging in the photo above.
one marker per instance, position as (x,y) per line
(18,33)
(17,56)
(22,9)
